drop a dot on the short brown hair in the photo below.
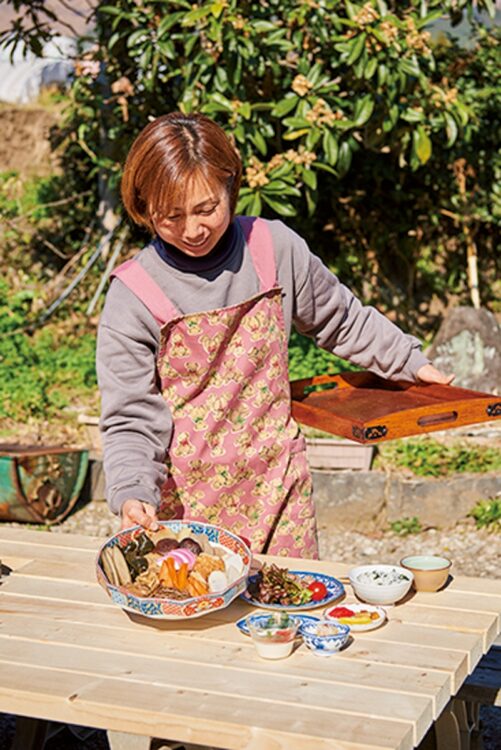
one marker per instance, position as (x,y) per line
(166,154)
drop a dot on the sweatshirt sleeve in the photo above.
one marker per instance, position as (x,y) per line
(328,312)
(135,420)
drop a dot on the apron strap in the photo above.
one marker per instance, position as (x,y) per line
(258,238)
(133,275)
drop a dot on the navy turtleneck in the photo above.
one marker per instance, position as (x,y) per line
(218,256)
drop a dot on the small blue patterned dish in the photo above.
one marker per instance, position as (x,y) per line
(324,637)
(303,619)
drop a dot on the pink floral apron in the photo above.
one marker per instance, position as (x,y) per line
(236,457)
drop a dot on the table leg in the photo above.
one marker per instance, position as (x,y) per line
(458,727)
(30,733)
(447,734)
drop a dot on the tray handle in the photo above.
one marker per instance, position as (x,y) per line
(433,419)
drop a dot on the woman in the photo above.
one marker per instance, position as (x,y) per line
(192,348)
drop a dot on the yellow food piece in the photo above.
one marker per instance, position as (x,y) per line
(356,620)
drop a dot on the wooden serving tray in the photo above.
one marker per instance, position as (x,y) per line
(368,409)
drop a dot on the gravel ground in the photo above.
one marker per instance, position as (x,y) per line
(473,552)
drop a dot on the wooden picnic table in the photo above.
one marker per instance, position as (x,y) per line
(68,654)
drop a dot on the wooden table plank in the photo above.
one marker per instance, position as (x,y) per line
(195,716)
(299,693)
(432,685)
(29,536)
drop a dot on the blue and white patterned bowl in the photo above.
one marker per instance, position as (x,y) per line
(324,645)
(178,609)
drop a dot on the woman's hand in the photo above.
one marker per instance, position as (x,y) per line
(430,374)
(136,512)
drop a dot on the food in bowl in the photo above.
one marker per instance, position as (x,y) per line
(380,584)
(184,569)
(273,634)
(430,571)
(324,637)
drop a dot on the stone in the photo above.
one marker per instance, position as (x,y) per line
(439,502)
(468,344)
(351,500)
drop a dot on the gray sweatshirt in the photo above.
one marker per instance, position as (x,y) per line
(136,422)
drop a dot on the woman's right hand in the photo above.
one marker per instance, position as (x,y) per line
(136,512)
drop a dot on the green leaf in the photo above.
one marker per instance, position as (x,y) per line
(284,106)
(421,144)
(296,122)
(256,206)
(221,100)
(382,74)
(370,68)
(281,187)
(429,18)
(245,110)
(217,8)
(195,15)
(351,10)
(324,167)
(451,128)
(363,110)
(136,37)
(331,147)
(410,66)
(344,159)
(314,74)
(311,203)
(259,142)
(282,208)
(309,178)
(357,47)
(412,115)
(263,27)
(312,139)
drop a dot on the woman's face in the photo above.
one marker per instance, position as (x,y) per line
(199,221)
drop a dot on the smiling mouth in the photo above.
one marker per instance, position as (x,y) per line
(195,244)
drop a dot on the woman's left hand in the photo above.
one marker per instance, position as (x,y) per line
(430,374)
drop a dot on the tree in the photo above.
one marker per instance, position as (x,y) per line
(342,111)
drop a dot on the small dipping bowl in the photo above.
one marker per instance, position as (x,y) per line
(430,571)
(324,637)
(273,633)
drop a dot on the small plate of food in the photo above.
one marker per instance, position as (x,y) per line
(359,617)
(278,588)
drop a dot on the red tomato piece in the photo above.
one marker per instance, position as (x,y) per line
(341,612)
(318,591)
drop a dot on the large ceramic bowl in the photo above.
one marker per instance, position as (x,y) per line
(177,609)
(380,584)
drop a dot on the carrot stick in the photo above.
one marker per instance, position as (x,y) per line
(172,572)
(182,576)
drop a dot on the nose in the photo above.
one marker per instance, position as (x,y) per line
(192,227)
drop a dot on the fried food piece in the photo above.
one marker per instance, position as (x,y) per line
(196,585)
(205,564)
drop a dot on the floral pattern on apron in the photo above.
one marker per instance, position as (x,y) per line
(236,457)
